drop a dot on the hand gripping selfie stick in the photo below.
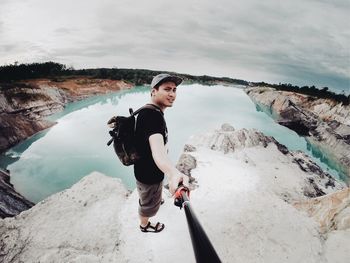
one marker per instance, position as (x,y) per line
(203,249)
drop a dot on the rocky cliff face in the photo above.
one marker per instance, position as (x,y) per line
(24,105)
(247,188)
(332,213)
(11,203)
(23,108)
(325,124)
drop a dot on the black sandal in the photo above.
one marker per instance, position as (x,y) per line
(152,229)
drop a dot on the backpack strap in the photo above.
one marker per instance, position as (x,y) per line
(132,113)
(147,106)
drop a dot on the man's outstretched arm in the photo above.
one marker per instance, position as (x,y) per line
(163,162)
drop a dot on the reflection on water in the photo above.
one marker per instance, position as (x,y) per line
(317,153)
(57,158)
(15,152)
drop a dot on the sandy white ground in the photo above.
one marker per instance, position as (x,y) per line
(245,222)
(243,200)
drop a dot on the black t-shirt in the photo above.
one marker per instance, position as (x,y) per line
(149,122)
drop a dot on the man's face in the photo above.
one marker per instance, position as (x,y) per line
(165,95)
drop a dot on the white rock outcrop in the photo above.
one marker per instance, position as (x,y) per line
(80,224)
(246,198)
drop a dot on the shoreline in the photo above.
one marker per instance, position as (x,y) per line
(324,124)
(24,107)
(14,203)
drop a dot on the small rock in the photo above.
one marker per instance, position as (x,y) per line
(227,127)
(189,148)
(186,163)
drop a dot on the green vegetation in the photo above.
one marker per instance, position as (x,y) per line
(323,93)
(144,76)
(30,71)
(59,72)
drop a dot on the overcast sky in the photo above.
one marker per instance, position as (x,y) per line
(302,42)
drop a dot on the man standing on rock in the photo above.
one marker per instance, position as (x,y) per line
(151,139)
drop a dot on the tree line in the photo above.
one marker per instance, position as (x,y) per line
(16,71)
(56,71)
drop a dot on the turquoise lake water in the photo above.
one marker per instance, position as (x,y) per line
(55,159)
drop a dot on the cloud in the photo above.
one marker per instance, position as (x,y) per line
(274,41)
(65,31)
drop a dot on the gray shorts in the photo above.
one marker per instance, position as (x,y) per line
(150,196)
